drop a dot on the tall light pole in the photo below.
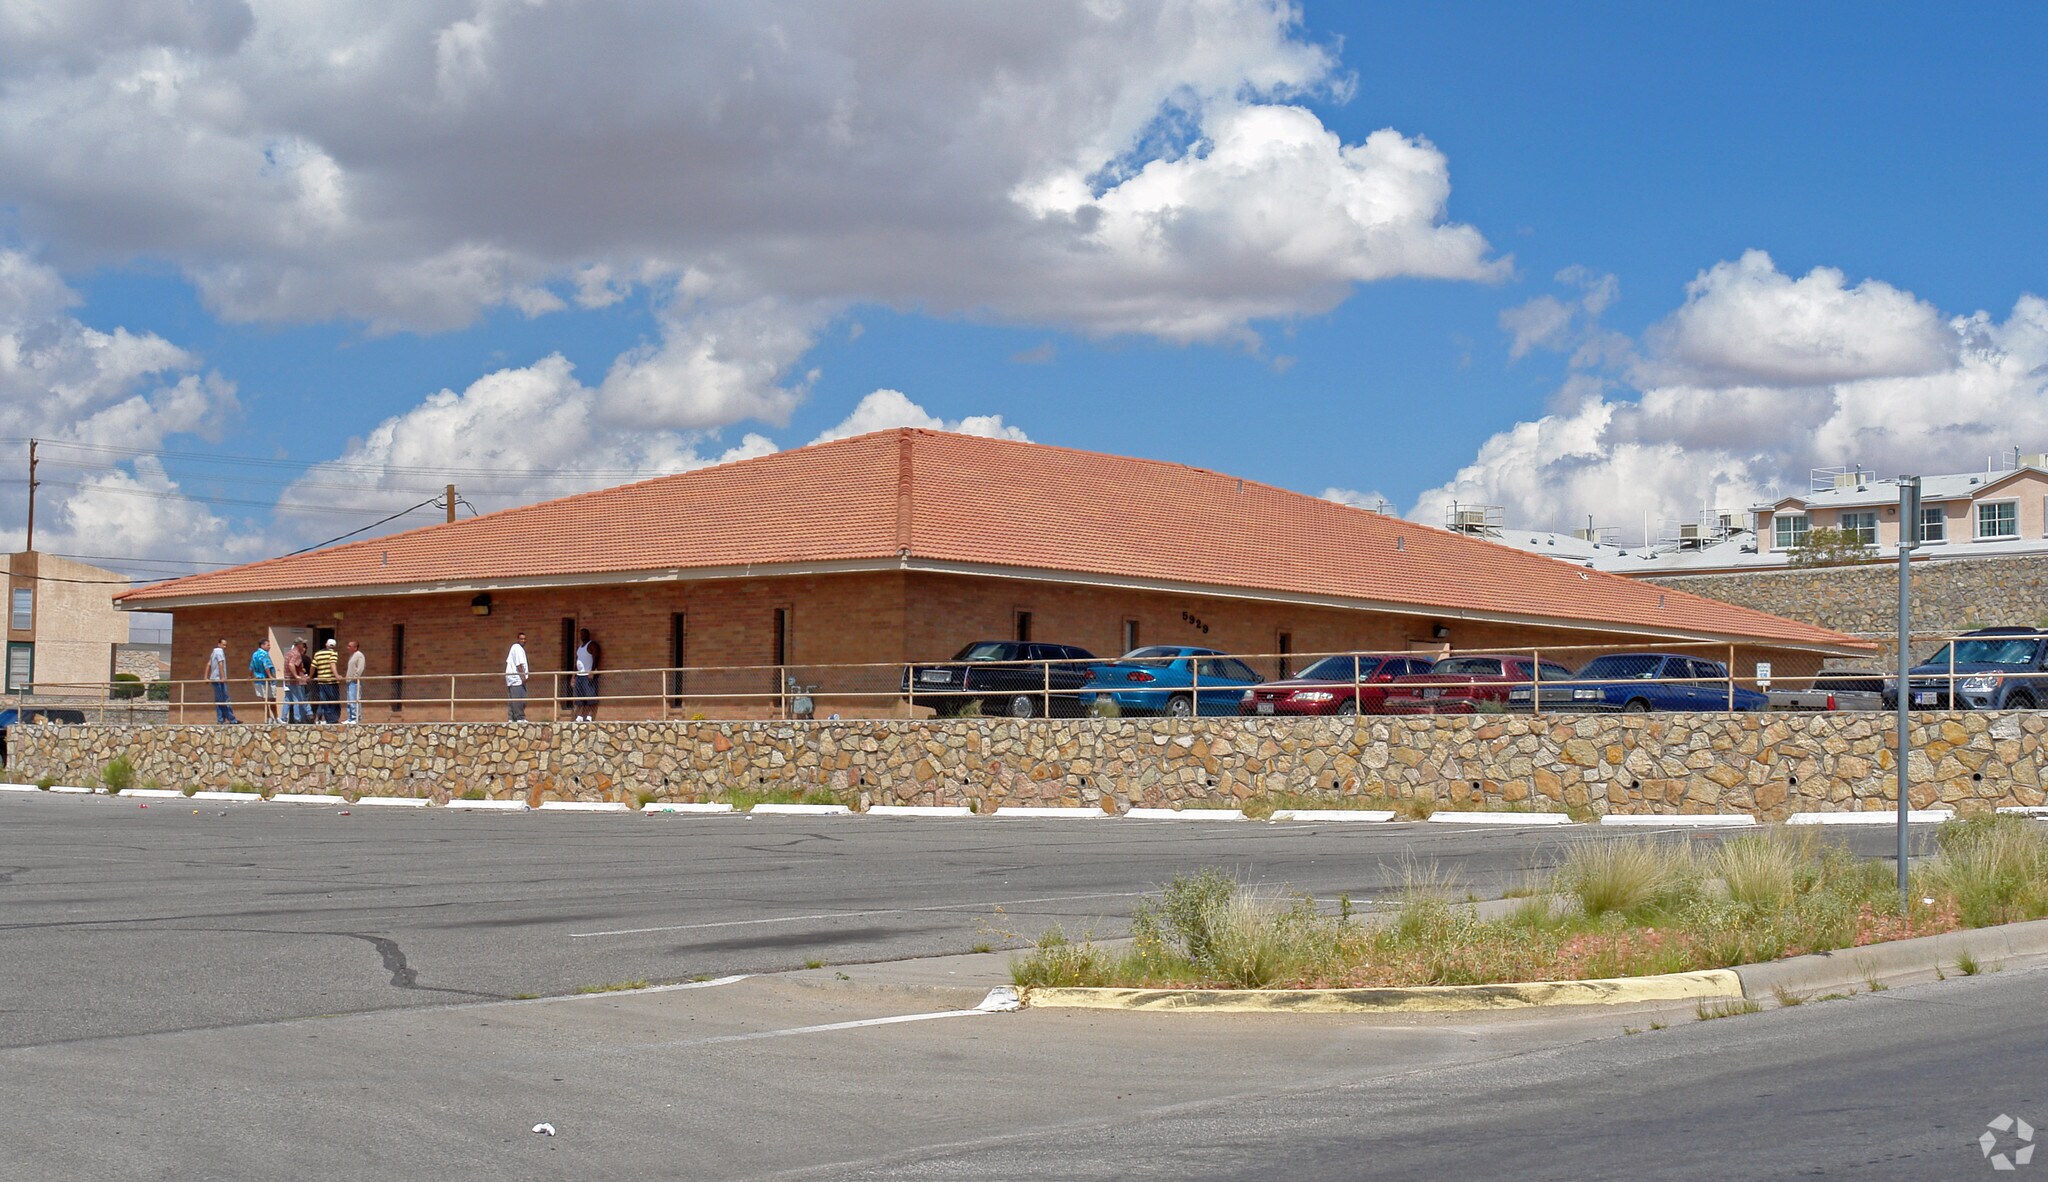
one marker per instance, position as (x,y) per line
(1909,537)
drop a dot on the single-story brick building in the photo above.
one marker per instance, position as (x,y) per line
(904,545)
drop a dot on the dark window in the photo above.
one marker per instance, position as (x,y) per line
(397,668)
(677,631)
(781,636)
(1130,635)
(568,643)
(320,638)
(1023,626)
(1286,666)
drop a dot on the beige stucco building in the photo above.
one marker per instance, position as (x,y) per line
(62,626)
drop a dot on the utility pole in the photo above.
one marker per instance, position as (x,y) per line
(1909,537)
(451,504)
(31,496)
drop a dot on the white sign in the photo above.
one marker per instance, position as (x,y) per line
(1763,675)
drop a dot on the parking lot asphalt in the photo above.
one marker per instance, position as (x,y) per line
(120,919)
(760,1078)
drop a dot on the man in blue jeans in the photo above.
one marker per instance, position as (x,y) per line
(217,673)
(264,671)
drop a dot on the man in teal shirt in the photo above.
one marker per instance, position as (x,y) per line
(265,672)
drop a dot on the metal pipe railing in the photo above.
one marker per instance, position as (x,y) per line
(666,691)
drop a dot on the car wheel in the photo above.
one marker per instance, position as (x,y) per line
(1022,706)
(1180,706)
(1347,708)
(2020,701)
(1636,706)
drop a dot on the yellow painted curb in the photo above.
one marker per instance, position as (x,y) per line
(1708,983)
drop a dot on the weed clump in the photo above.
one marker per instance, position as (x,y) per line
(118,776)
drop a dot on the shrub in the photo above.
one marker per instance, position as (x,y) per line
(118,775)
(1056,962)
(1626,877)
(1760,872)
(125,687)
(158,691)
(1210,930)
(1995,867)
(46,782)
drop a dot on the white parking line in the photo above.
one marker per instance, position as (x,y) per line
(737,923)
(999,1001)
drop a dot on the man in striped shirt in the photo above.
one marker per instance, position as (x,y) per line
(327,683)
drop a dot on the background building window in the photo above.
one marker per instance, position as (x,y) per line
(397,668)
(1998,519)
(1024,627)
(1933,525)
(21,667)
(1860,528)
(1788,531)
(1130,635)
(24,614)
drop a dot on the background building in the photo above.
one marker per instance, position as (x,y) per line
(63,630)
(904,545)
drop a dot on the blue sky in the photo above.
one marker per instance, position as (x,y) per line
(310,249)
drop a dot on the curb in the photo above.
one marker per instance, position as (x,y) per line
(1684,821)
(799,810)
(1709,983)
(395,802)
(919,810)
(1184,814)
(700,809)
(230,797)
(1888,817)
(1920,956)
(1375,816)
(582,806)
(1447,817)
(307,798)
(506,806)
(1068,812)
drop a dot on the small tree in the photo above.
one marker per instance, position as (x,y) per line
(1832,547)
(126,686)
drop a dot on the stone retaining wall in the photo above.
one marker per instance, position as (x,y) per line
(1768,764)
(1949,595)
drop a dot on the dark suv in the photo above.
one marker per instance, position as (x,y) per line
(980,673)
(1993,669)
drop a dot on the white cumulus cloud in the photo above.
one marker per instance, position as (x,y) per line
(883,410)
(1757,378)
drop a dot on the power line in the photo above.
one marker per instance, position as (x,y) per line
(373,525)
(336,466)
(161,495)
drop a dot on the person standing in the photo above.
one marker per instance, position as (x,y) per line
(327,682)
(596,663)
(297,680)
(356,664)
(516,673)
(583,689)
(217,673)
(264,671)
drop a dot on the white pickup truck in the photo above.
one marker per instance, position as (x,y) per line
(1834,689)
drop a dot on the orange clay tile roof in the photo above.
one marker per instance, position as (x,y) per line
(935,497)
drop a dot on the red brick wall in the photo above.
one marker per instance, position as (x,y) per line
(883,618)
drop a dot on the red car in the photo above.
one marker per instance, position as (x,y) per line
(1353,683)
(1459,685)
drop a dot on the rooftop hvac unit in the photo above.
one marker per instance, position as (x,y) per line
(1471,519)
(2038,460)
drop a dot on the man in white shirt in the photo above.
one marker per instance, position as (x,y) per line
(584,688)
(217,673)
(515,681)
(357,664)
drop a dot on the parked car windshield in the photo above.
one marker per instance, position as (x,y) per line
(1621,667)
(2017,651)
(988,650)
(1335,669)
(1468,666)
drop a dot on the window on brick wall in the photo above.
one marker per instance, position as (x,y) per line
(1023,627)
(1130,635)
(1285,665)
(24,609)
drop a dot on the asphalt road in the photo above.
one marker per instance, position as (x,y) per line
(184,914)
(763,1078)
(253,992)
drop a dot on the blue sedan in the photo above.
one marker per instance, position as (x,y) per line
(1167,679)
(1638,682)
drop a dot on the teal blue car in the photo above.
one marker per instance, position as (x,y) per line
(1174,680)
